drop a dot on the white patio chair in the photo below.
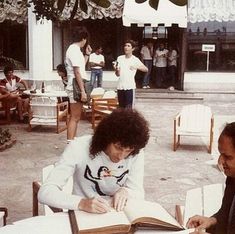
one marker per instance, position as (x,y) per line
(36,186)
(3,216)
(204,201)
(194,120)
(48,112)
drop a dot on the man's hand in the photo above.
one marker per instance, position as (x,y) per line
(94,205)
(14,95)
(88,50)
(120,199)
(132,68)
(83,97)
(200,223)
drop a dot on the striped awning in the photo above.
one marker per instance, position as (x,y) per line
(142,14)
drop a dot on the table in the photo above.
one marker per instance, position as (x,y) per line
(45,109)
(57,223)
(51,93)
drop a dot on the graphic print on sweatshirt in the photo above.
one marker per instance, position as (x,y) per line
(104,178)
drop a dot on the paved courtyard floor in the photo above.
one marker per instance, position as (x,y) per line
(168,174)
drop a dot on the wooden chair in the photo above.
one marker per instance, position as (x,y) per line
(194,120)
(86,109)
(6,108)
(47,111)
(3,216)
(36,186)
(102,107)
(200,201)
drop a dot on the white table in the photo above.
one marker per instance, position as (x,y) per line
(45,109)
(51,93)
(57,223)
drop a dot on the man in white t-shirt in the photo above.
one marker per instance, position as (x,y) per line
(160,62)
(75,63)
(125,69)
(96,62)
(172,67)
(147,58)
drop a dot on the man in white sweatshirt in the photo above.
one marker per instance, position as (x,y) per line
(108,164)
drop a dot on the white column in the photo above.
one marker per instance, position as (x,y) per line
(40,48)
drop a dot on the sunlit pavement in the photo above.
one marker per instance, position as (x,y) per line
(168,174)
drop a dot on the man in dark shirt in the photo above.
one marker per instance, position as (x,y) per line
(223,222)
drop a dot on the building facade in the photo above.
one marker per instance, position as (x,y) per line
(35,48)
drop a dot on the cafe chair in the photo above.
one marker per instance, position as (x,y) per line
(6,109)
(3,216)
(48,210)
(86,109)
(48,112)
(194,120)
(102,107)
(204,201)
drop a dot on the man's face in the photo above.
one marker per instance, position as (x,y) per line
(227,155)
(9,74)
(83,42)
(99,51)
(61,74)
(116,152)
(161,46)
(128,49)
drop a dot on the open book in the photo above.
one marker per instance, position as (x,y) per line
(138,214)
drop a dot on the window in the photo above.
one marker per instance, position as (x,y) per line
(13,45)
(219,34)
(102,32)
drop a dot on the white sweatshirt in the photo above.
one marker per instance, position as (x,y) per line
(91,177)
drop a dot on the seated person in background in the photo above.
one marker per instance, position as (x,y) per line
(110,163)
(61,70)
(223,222)
(10,85)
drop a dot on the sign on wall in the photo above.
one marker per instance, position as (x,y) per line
(208,48)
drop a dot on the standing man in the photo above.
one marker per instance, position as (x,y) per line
(125,68)
(75,65)
(160,59)
(96,62)
(147,58)
(172,67)
(223,222)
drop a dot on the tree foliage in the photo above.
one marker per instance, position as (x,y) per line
(52,9)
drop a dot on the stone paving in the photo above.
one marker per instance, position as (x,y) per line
(168,174)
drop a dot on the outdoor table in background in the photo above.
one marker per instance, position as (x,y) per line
(45,109)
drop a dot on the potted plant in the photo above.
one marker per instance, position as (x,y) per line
(6,139)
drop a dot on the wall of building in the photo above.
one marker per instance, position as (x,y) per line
(209,81)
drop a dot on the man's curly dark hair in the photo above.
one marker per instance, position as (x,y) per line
(124,126)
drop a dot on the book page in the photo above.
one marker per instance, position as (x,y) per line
(136,209)
(87,220)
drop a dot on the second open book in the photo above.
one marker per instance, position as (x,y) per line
(138,214)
